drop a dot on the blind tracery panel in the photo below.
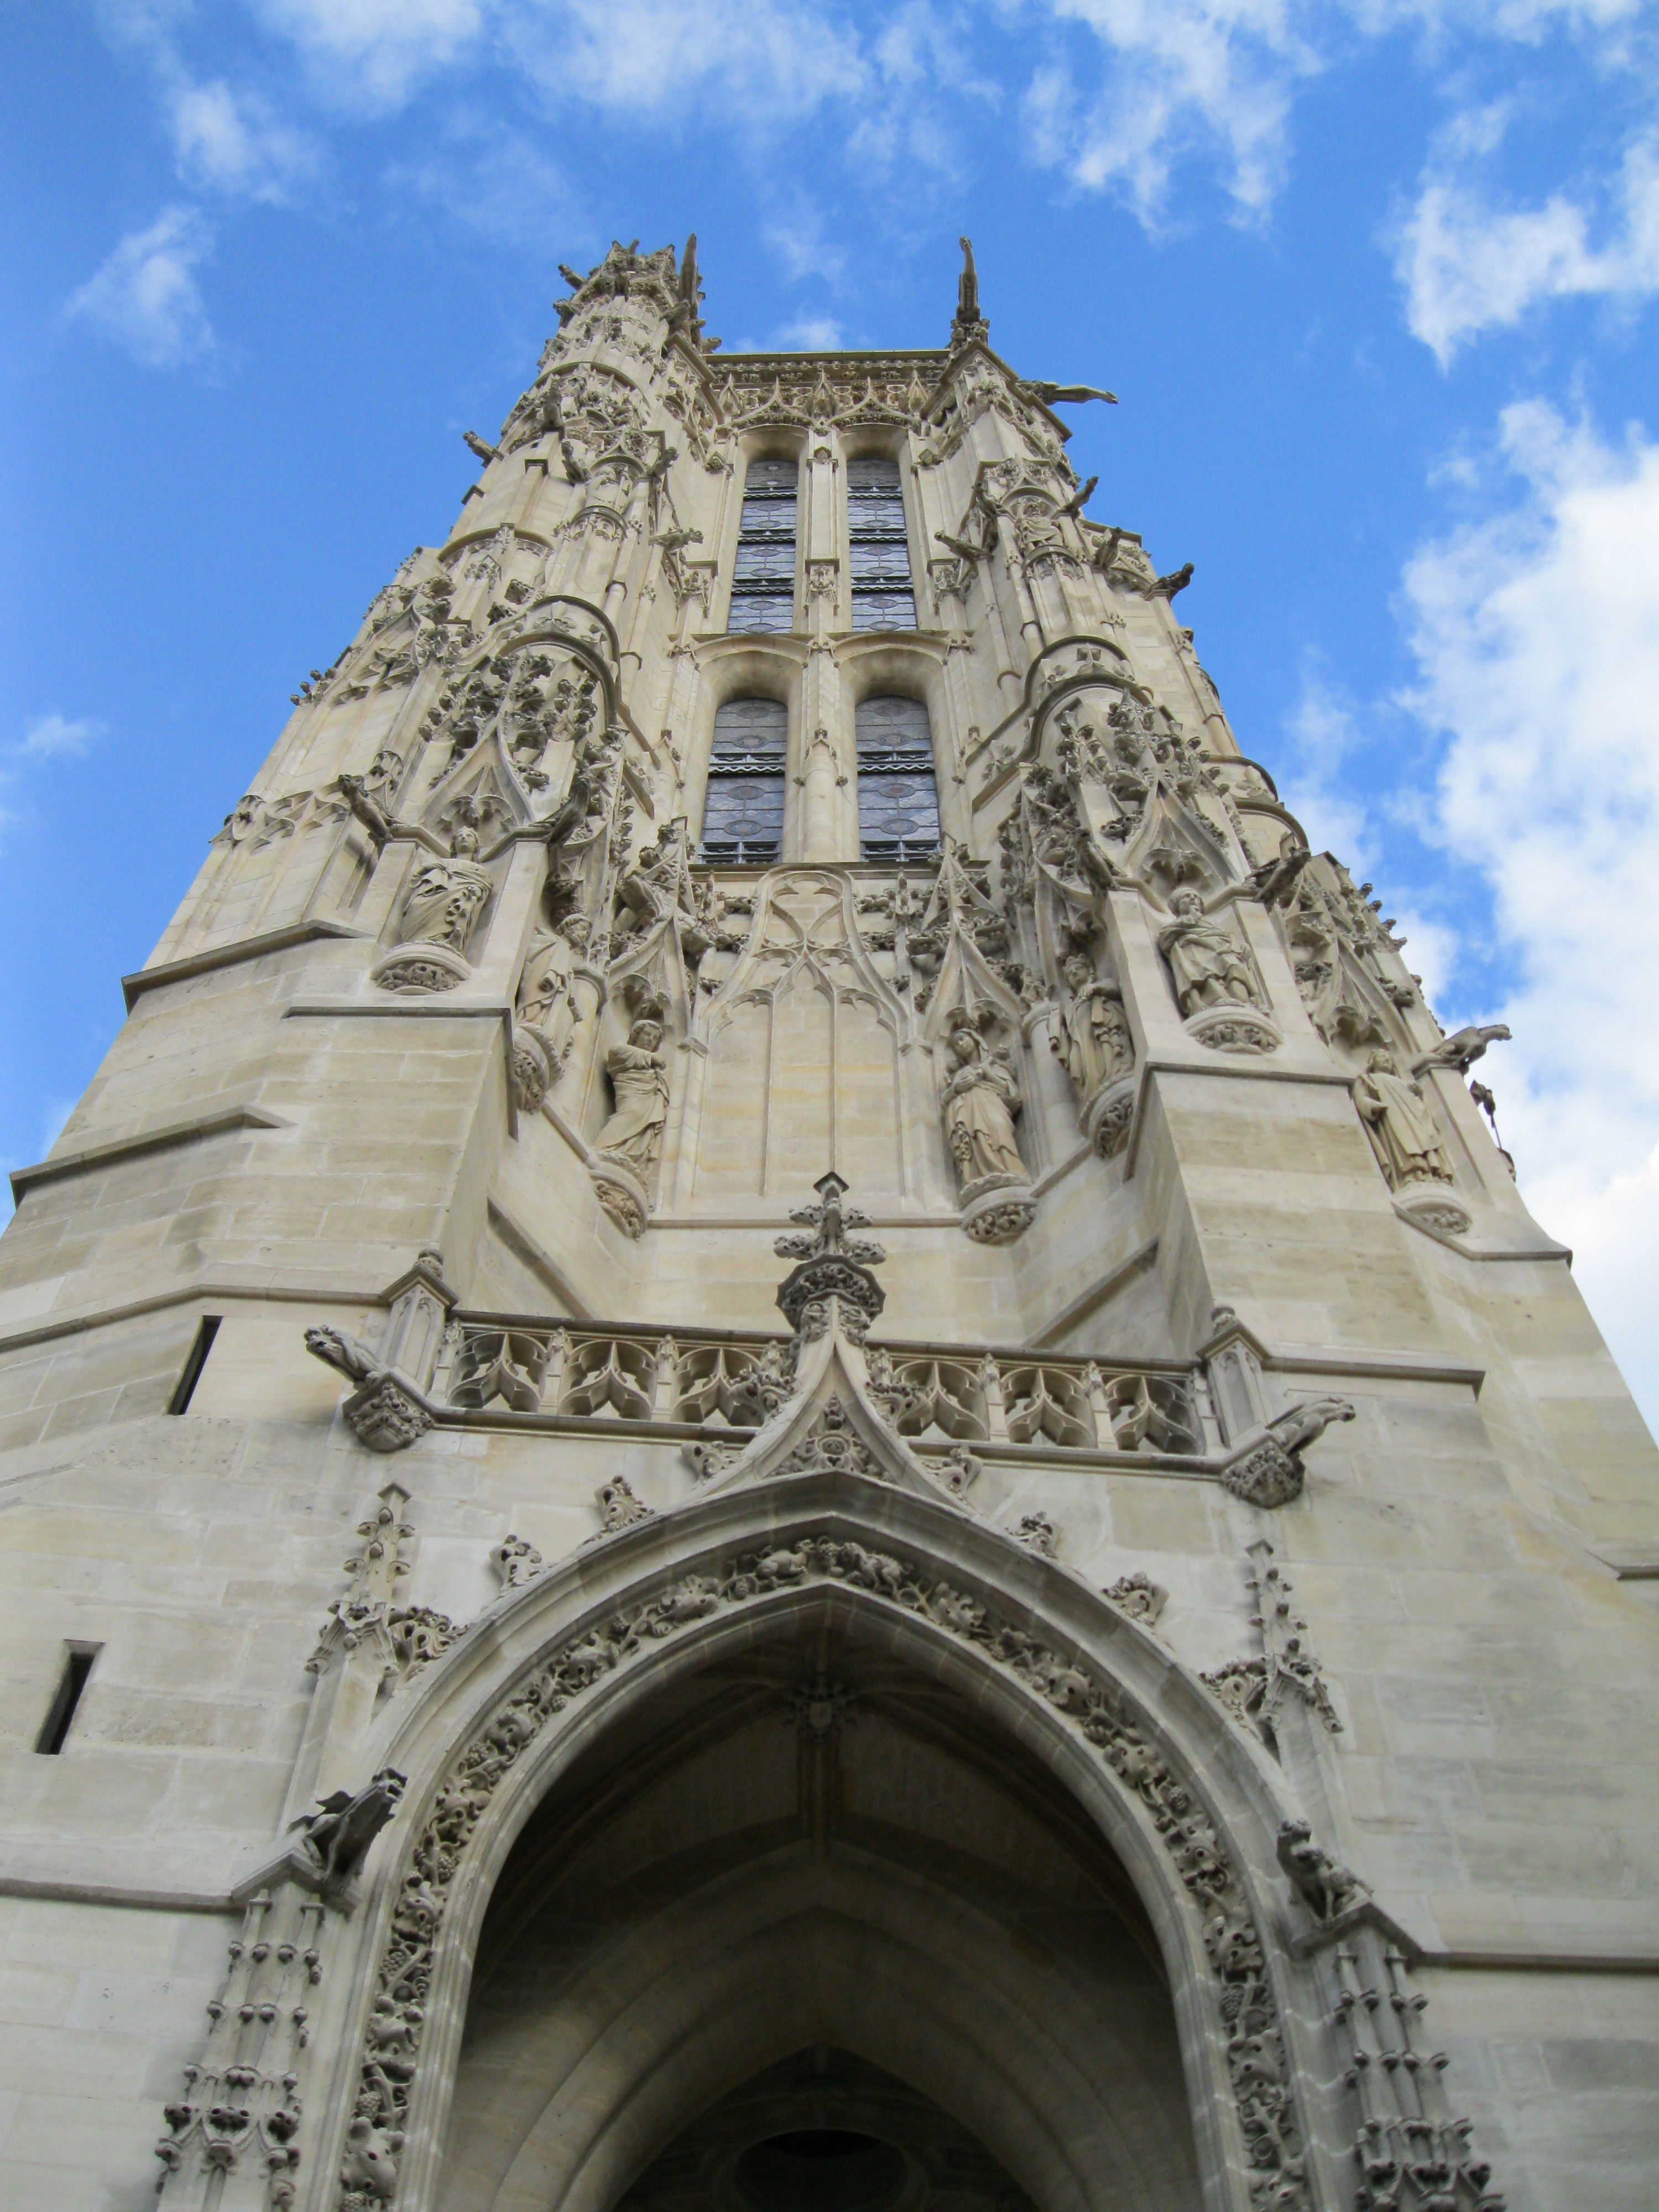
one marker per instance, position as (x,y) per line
(743,807)
(763,577)
(898,799)
(880,554)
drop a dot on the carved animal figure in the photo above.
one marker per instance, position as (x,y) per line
(1305,1423)
(1326,1888)
(1463,1047)
(339,1833)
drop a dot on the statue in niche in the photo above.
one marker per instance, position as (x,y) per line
(445,895)
(981,1100)
(1094,1041)
(543,1001)
(1400,1124)
(1207,962)
(639,1078)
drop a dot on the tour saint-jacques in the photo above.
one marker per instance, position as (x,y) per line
(781,1436)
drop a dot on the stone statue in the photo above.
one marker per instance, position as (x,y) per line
(1207,962)
(1094,1041)
(981,1100)
(445,895)
(544,985)
(1400,1124)
(639,1077)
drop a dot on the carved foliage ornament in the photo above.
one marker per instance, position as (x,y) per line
(1247,2013)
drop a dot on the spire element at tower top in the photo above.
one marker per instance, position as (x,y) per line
(968,326)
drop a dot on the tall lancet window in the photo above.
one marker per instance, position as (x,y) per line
(882,596)
(743,808)
(764,578)
(898,802)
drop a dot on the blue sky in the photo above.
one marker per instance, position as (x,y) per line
(1374,281)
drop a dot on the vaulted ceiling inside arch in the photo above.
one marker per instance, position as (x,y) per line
(816,1848)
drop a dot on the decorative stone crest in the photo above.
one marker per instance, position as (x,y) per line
(834,1265)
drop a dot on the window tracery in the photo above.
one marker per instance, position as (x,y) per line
(742,811)
(898,798)
(763,577)
(883,596)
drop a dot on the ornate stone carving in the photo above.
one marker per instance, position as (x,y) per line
(1246,2007)
(1140,1596)
(821,1708)
(361,1615)
(1412,2153)
(240,2097)
(996,1212)
(621,1195)
(833,1265)
(1254,1690)
(618,1506)
(516,1562)
(831,1448)
(1271,1473)
(385,1417)
(1037,1533)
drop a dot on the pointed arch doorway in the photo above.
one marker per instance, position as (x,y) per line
(809,1924)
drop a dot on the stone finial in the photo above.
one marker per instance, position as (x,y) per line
(833,1264)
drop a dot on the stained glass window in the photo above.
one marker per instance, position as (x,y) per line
(764,578)
(743,809)
(882,596)
(898,803)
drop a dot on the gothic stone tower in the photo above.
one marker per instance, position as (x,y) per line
(532,1683)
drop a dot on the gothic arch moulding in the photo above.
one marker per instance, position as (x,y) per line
(1189,1811)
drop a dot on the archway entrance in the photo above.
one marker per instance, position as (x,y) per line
(825,2132)
(806,1930)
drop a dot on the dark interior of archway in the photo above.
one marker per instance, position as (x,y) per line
(814,1751)
(824,1779)
(823,2132)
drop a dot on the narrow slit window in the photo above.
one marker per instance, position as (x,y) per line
(764,577)
(742,811)
(184,1389)
(77,1667)
(898,799)
(882,595)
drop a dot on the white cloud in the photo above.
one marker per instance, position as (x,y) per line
(762,63)
(230,141)
(145,296)
(51,735)
(1536,633)
(809,334)
(1466,266)
(1177,77)
(376,50)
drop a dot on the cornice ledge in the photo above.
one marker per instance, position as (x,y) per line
(92,1156)
(134,987)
